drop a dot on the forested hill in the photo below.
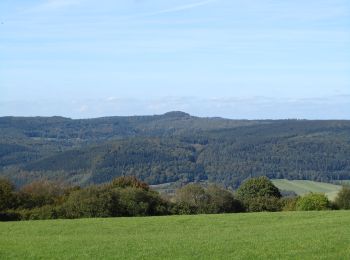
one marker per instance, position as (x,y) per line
(172,147)
(172,123)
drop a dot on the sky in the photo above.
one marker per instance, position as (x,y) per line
(253,59)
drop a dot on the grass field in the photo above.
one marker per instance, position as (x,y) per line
(283,235)
(302,187)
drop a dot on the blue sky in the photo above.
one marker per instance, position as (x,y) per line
(230,58)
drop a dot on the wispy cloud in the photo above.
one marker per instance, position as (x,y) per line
(180,8)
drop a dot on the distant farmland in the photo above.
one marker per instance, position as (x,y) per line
(282,235)
(302,187)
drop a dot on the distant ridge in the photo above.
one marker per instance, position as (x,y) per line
(172,147)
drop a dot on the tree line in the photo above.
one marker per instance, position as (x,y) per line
(128,196)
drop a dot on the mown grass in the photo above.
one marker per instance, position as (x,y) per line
(283,235)
(302,187)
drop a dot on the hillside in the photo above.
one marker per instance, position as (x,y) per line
(302,187)
(283,235)
(174,147)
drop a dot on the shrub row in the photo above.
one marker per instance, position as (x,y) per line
(127,196)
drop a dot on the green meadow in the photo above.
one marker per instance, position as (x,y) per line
(302,187)
(281,235)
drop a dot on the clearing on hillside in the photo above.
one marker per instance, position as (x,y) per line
(302,187)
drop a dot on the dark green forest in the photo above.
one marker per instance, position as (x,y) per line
(174,147)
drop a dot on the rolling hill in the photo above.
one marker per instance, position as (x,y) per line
(174,147)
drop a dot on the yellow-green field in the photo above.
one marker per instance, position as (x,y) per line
(282,235)
(302,187)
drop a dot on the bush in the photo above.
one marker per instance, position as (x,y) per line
(40,193)
(313,201)
(7,195)
(194,199)
(259,194)
(183,208)
(45,212)
(259,204)
(222,201)
(140,202)
(289,203)
(114,201)
(342,201)
(89,202)
(257,187)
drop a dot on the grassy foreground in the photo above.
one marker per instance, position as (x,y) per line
(286,235)
(302,187)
